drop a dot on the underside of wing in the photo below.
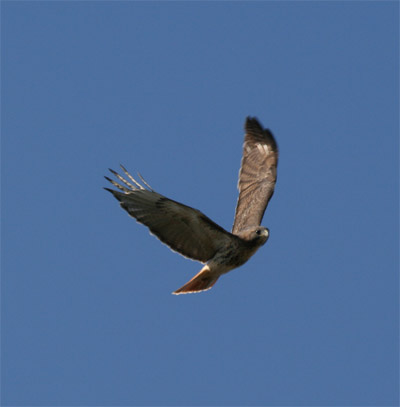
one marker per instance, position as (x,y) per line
(184,229)
(257,176)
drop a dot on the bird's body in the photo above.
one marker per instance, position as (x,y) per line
(226,259)
(191,233)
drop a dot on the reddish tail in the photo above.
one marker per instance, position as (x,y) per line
(200,282)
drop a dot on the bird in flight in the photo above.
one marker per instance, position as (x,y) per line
(191,233)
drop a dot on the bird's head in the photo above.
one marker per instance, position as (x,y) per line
(258,235)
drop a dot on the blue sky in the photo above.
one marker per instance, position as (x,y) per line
(164,88)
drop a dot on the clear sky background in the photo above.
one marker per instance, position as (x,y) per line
(164,88)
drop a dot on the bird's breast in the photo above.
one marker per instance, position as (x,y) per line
(232,256)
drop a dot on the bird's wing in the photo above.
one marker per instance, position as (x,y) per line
(184,229)
(257,175)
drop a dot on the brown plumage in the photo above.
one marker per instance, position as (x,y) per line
(257,175)
(191,233)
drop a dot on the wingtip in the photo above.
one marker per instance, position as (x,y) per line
(112,171)
(251,118)
(117,195)
(252,121)
(123,168)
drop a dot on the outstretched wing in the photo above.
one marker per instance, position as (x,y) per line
(257,175)
(184,229)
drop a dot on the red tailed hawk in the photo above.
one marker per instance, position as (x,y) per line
(191,233)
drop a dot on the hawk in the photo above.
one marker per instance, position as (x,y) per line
(191,233)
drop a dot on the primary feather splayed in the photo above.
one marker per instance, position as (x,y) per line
(191,233)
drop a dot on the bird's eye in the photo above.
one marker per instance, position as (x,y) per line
(258,232)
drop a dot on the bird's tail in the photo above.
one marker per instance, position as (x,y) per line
(202,281)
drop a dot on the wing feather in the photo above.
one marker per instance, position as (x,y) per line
(257,175)
(184,229)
